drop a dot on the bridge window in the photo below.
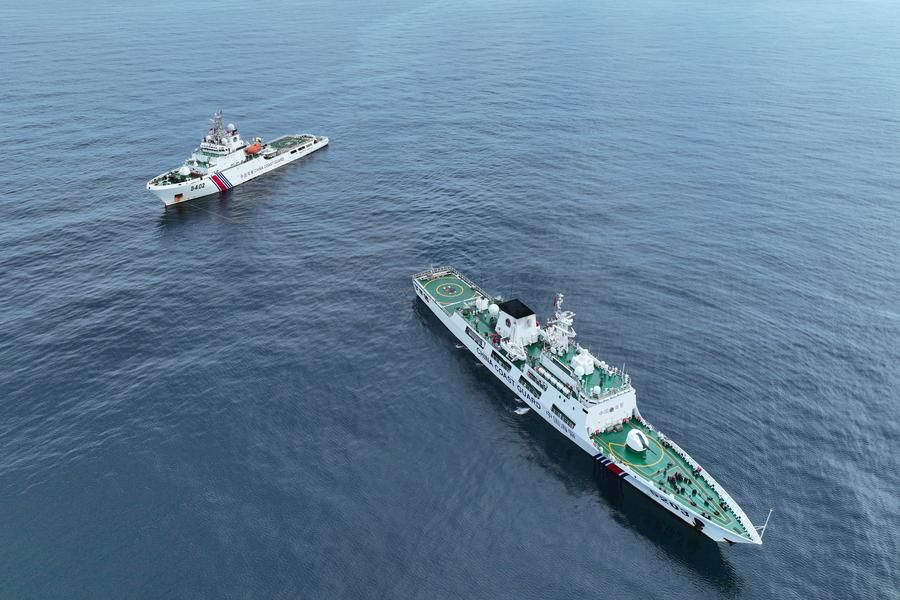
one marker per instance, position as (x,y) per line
(541,384)
(561,366)
(501,361)
(569,422)
(475,337)
(528,386)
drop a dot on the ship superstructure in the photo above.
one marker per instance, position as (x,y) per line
(224,160)
(591,402)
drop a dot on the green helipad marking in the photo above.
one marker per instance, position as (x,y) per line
(289,141)
(449,289)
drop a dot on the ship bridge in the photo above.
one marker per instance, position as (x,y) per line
(520,340)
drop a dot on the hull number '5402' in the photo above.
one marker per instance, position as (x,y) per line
(198,186)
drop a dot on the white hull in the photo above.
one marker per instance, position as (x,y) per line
(579,432)
(213,182)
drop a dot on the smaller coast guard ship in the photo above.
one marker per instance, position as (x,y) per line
(588,401)
(224,160)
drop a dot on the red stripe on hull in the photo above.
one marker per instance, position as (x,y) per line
(614,469)
(218,183)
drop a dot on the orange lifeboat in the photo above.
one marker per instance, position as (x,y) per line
(254,148)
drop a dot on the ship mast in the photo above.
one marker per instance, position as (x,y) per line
(218,125)
(559,331)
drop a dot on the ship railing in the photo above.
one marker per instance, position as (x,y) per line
(540,382)
(447,269)
(742,518)
(554,380)
(435,271)
(608,394)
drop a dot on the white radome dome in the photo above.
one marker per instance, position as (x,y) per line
(579,371)
(184,170)
(494,310)
(637,441)
(231,127)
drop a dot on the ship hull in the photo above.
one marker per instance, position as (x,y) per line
(541,405)
(221,181)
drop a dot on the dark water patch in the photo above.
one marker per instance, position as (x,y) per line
(241,397)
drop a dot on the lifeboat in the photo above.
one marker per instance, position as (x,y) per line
(254,148)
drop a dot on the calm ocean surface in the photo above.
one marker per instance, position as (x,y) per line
(241,398)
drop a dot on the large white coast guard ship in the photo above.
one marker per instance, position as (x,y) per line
(224,160)
(589,401)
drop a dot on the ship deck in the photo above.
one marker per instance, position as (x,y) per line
(599,378)
(660,462)
(448,290)
(452,293)
(290,141)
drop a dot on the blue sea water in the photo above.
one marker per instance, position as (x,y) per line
(241,398)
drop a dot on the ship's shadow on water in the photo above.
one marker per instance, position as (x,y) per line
(580,474)
(214,206)
(231,206)
(707,559)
